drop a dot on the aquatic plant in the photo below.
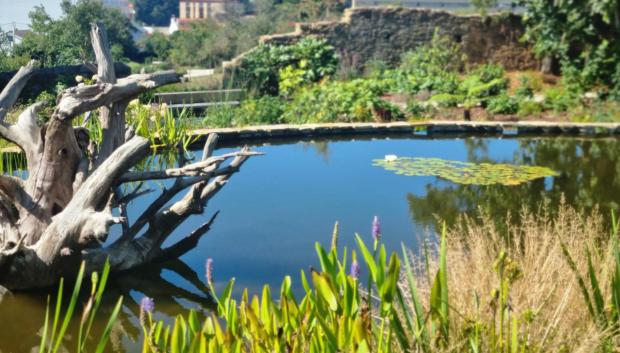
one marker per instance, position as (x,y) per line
(376,229)
(54,330)
(163,127)
(465,172)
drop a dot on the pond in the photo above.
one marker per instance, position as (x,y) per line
(280,204)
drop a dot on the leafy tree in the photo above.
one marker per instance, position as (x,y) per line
(583,35)
(66,41)
(156,12)
(206,43)
(157,45)
(209,42)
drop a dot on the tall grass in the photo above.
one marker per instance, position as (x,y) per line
(547,285)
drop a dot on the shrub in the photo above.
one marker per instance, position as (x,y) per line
(433,67)
(447,100)
(264,110)
(488,72)
(220,116)
(375,68)
(560,99)
(260,69)
(441,55)
(290,79)
(529,108)
(330,101)
(502,104)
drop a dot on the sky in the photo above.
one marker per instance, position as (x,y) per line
(17,11)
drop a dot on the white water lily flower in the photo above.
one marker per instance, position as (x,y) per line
(79,78)
(95,78)
(390,158)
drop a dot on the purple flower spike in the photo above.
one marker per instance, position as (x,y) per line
(147,305)
(355,269)
(376,229)
(209,270)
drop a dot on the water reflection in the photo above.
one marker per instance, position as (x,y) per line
(589,177)
(26,311)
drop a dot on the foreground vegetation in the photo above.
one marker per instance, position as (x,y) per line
(545,285)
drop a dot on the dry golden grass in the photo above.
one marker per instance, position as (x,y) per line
(544,295)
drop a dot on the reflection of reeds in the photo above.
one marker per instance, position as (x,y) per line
(12,162)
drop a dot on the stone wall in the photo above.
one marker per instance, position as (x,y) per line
(365,34)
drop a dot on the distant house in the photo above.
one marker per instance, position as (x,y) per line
(12,37)
(190,10)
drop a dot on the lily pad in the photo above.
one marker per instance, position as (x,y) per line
(465,172)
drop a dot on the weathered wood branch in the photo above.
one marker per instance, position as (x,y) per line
(179,185)
(13,89)
(205,168)
(112,117)
(78,100)
(62,214)
(70,225)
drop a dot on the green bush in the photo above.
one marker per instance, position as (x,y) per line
(483,85)
(261,111)
(488,72)
(447,100)
(260,69)
(560,99)
(502,104)
(529,108)
(350,101)
(221,116)
(420,110)
(441,55)
(433,67)
(525,89)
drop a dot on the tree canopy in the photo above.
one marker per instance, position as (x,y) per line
(156,12)
(583,35)
(209,42)
(66,41)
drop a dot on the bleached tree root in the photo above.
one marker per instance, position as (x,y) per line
(62,213)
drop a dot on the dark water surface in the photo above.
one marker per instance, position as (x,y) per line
(280,204)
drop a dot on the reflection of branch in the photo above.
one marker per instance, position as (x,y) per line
(150,282)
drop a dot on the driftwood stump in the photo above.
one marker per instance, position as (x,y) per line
(61,214)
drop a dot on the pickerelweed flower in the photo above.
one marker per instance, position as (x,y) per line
(209,271)
(376,229)
(147,305)
(355,269)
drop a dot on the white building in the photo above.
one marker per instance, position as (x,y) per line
(12,37)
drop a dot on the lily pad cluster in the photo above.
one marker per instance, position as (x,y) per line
(465,172)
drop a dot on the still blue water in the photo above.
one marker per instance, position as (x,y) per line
(280,204)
